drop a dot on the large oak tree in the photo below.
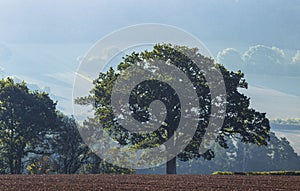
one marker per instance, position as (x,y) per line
(241,121)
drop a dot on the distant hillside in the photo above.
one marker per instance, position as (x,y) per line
(284,127)
(293,121)
(285,124)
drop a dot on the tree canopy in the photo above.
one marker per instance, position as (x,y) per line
(26,118)
(241,121)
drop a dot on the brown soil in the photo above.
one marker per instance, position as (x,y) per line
(147,182)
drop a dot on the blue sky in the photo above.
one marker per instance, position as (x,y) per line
(232,22)
(41,41)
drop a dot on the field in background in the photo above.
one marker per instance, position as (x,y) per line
(147,182)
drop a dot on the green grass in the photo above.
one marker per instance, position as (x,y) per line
(290,173)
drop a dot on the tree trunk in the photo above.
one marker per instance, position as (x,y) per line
(171,166)
(172,122)
(11,165)
(18,165)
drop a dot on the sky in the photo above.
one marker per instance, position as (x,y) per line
(42,42)
(272,23)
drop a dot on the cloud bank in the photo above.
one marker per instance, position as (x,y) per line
(273,77)
(261,59)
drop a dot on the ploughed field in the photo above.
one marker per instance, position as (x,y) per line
(148,182)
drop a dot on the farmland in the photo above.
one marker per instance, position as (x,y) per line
(147,182)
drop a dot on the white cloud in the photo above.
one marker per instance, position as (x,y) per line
(296,57)
(263,55)
(231,58)
(261,59)
(279,51)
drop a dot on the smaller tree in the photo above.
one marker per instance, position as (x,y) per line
(70,152)
(95,164)
(26,119)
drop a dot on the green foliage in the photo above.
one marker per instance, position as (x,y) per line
(42,164)
(70,152)
(94,164)
(36,139)
(26,118)
(33,135)
(223,173)
(241,121)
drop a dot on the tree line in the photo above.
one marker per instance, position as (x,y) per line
(36,138)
